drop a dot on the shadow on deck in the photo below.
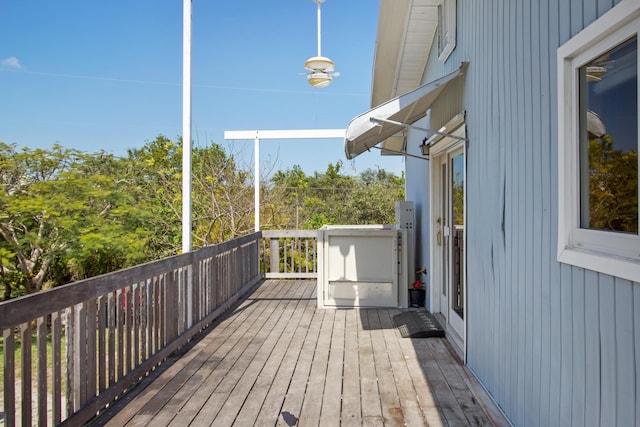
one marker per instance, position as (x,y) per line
(277,360)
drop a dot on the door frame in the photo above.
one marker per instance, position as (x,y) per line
(441,154)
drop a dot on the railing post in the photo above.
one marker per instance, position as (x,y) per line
(274,261)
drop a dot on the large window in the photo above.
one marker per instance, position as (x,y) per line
(598,145)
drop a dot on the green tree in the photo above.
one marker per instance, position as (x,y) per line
(155,181)
(288,192)
(58,204)
(374,200)
(335,198)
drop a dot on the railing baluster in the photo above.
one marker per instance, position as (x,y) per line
(42,370)
(56,356)
(284,256)
(120,319)
(274,262)
(170,302)
(157,310)
(91,358)
(299,246)
(112,319)
(101,355)
(71,355)
(148,318)
(160,312)
(128,330)
(137,300)
(197,297)
(25,361)
(79,376)
(8,337)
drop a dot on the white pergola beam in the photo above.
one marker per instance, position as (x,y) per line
(284,134)
(257,135)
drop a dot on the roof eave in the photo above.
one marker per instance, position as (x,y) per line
(406,29)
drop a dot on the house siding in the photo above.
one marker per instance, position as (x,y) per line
(553,344)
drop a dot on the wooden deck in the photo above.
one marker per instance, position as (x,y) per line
(277,360)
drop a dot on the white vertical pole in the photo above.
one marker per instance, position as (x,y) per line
(186,149)
(319,32)
(186,128)
(256,192)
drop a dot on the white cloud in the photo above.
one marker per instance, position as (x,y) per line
(11,62)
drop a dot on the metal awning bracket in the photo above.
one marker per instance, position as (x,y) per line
(379,122)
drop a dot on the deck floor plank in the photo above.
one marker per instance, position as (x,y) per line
(351,408)
(331,399)
(370,396)
(277,360)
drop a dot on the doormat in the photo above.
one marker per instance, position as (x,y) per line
(418,324)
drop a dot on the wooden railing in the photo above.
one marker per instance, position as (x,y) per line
(70,351)
(289,254)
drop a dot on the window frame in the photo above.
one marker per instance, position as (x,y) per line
(612,253)
(447,17)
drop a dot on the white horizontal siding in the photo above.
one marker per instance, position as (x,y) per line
(554,344)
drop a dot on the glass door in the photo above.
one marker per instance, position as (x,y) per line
(449,235)
(456,240)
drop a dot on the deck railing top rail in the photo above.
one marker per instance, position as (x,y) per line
(30,307)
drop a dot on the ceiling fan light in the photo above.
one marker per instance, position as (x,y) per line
(319,79)
(319,63)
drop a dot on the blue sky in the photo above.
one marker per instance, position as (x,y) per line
(108,75)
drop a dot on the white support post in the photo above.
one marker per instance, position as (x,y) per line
(186,150)
(319,32)
(186,128)
(256,192)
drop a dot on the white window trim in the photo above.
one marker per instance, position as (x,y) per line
(447,29)
(615,254)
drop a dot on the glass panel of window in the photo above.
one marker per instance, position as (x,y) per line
(609,140)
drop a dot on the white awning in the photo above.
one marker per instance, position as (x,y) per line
(365,131)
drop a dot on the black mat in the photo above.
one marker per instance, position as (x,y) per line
(418,324)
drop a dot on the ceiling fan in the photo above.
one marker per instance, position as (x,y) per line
(321,69)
